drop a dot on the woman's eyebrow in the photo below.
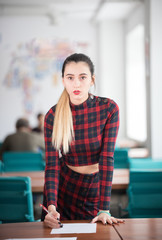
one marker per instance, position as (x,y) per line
(83,74)
(70,74)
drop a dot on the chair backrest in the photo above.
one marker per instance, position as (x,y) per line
(22,161)
(145,164)
(1,166)
(145,192)
(121,159)
(146,180)
(16,202)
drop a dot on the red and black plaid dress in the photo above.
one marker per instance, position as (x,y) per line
(80,196)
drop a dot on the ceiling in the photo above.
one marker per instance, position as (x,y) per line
(94,10)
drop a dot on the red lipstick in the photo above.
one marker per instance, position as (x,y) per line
(76,92)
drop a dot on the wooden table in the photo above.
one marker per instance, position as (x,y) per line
(120,179)
(38,230)
(145,229)
(37,179)
(132,229)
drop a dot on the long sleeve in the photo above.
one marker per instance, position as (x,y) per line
(52,162)
(106,162)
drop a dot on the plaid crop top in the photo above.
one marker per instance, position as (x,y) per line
(96,123)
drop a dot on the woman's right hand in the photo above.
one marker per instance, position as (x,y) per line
(52,219)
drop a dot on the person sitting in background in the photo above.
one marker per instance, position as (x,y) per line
(40,127)
(23,139)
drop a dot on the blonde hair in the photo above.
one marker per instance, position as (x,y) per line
(63,132)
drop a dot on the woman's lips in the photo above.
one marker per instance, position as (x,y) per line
(76,92)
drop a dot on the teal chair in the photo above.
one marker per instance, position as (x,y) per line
(16,203)
(145,163)
(121,159)
(145,189)
(22,161)
(1,166)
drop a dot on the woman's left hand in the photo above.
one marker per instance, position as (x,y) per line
(105,218)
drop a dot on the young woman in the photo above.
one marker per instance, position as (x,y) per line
(80,136)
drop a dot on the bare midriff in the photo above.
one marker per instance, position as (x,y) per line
(88,169)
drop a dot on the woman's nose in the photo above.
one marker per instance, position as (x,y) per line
(76,83)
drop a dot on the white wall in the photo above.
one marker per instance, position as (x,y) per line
(135,18)
(156,76)
(15,31)
(136,88)
(111,66)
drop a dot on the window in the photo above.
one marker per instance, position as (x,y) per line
(136,85)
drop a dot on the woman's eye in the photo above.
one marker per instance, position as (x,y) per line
(70,78)
(83,77)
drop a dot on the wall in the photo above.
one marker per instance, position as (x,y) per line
(111,66)
(135,18)
(15,35)
(156,76)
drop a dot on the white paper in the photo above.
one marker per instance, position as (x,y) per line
(64,238)
(75,228)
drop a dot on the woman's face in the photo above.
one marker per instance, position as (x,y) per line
(77,80)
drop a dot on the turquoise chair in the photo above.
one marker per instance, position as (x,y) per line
(145,164)
(16,203)
(1,166)
(22,161)
(121,159)
(145,189)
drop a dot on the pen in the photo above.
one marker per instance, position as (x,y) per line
(45,209)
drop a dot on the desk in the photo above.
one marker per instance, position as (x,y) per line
(120,179)
(142,228)
(138,153)
(38,230)
(37,179)
(132,229)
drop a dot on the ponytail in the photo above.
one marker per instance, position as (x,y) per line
(63,132)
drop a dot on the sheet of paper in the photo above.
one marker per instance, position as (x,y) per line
(75,228)
(64,238)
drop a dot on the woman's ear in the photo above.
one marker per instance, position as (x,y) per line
(93,80)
